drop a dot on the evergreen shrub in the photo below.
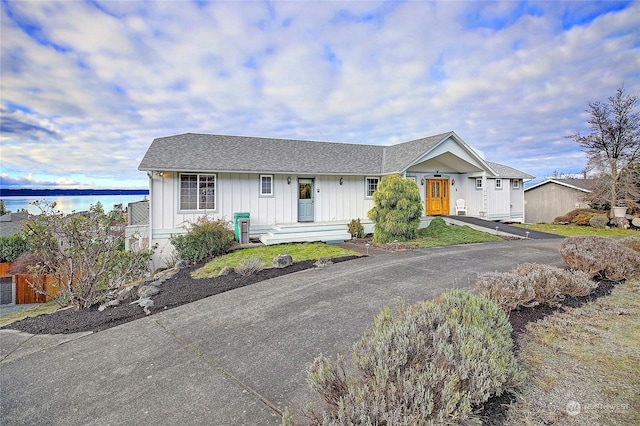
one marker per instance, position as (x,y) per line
(12,246)
(205,238)
(397,209)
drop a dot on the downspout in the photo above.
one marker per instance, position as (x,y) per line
(150,175)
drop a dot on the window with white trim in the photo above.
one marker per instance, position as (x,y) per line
(515,184)
(197,192)
(371,186)
(478,183)
(266,185)
(498,183)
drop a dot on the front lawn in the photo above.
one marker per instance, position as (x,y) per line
(575,230)
(298,252)
(438,234)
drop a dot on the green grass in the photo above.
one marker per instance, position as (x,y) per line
(438,234)
(298,251)
(575,230)
(43,308)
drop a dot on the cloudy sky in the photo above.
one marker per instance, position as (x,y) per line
(87,85)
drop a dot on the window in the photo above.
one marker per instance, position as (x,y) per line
(478,183)
(371,186)
(197,192)
(266,185)
(498,183)
(516,184)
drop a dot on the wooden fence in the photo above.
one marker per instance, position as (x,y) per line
(24,292)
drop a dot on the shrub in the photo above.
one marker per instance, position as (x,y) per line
(205,238)
(397,209)
(507,289)
(85,251)
(551,284)
(532,283)
(250,266)
(571,216)
(633,242)
(599,221)
(12,246)
(429,363)
(356,229)
(600,256)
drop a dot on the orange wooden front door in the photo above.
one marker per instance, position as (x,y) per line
(437,197)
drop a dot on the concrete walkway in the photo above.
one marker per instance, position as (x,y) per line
(237,358)
(500,228)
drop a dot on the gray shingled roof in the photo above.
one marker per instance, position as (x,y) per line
(219,153)
(508,172)
(206,153)
(584,185)
(400,156)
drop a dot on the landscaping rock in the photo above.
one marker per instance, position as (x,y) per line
(282,261)
(323,262)
(182,264)
(226,270)
(636,222)
(156,283)
(147,291)
(124,293)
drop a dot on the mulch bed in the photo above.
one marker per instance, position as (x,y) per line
(181,289)
(176,291)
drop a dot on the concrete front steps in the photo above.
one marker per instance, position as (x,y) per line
(328,232)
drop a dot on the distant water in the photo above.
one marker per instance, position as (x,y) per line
(68,204)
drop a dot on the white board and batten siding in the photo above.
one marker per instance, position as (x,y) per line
(240,192)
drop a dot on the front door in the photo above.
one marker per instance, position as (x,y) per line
(305,200)
(437,197)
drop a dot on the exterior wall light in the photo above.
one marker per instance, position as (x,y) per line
(422,181)
(453,182)
(340,180)
(288,180)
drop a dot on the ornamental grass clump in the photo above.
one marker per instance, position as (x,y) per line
(427,364)
(633,242)
(250,266)
(601,257)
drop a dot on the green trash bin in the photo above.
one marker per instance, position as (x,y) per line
(236,219)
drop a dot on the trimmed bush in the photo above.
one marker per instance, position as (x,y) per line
(12,246)
(551,284)
(250,266)
(205,239)
(507,289)
(599,221)
(430,363)
(600,257)
(532,284)
(396,210)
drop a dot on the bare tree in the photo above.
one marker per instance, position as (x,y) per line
(613,147)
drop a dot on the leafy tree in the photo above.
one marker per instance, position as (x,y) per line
(397,209)
(86,252)
(3,208)
(613,148)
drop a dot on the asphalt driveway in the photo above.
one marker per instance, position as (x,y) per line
(235,358)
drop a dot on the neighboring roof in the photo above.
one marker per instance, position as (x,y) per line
(242,154)
(509,172)
(14,226)
(583,185)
